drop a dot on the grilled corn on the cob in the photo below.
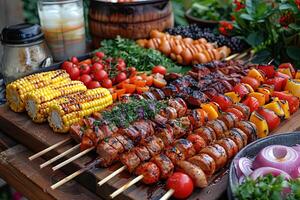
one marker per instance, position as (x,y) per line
(63,114)
(16,91)
(38,101)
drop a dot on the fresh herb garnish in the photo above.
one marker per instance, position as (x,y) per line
(268,188)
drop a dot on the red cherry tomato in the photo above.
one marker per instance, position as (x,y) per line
(293,101)
(241,89)
(252,103)
(100,54)
(254,83)
(84,69)
(74,60)
(268,70)
(272,119)
(66,64)
(85,78)
(159,69)
(107,83)
(100,75)
(288,66)
(96,67)
(121,77)
(74,73)
(93,84)
(223,101)
(182,184)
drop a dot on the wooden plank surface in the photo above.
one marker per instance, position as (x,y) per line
(38,136)
(24,175)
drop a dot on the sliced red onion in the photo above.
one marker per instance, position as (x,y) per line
(268,170)
(277,156)
(243,166)
(295,173)
(241,180)
(297,147)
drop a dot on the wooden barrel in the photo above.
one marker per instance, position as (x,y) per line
(132,20)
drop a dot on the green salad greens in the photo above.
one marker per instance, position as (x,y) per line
(212,9)
(268,188)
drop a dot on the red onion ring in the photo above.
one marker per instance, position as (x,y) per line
(297,147)
(243,166)
(295,173)
(279,157)
(268,170)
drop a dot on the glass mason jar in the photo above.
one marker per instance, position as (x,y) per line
(24,51)
(62,22)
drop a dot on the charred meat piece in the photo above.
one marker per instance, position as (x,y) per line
(164,164)
(144,127)
(207,133)
(180,106)
(205,162)
(125,141)
(172,76)
(186,147)
(166,135)
(170,112)
(154,145)
(237,138)
(92,135)
(229,145)
(149,95)
(243,108)
(158,93)
(218,153)
(198,118)
(130,160)
(106,130)
(142,152)
(170,90)
(76,132)
(180,126)
(107,153)
(112,141)
(196,98)
(229,119)
(211,92)
(150,172)
(249,128)
(198,142)
(160,120)
(99,133)
(86,143)
(243,135)
(218,126)
(196,174)
(174,154)
(132,133)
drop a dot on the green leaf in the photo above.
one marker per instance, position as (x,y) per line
(246,17)
(250,7)
(293,52)
(295,26)
(262,57)
(285,6)
(255,38)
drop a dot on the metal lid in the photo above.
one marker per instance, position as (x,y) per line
(21,34)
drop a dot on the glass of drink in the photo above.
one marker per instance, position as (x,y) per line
(62,22)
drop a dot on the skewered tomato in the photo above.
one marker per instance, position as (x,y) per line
(121,77)
(252,103)
(254,83)
(272,119)
(107,83)
(159,69)
(93,84)
(293,101)
(74,73)
(223,101)
(268,70)
(241,89)
(84,69)
(182,185)
(100,75)
(85,78)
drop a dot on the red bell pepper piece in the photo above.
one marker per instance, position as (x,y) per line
(278,83)
(268,70)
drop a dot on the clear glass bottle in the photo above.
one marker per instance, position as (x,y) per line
(63,25)
(24,50)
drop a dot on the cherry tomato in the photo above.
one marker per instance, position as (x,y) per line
(288,66)
(182,184)
(84,69)
(66,64)
(268,70)
(278,83)
(93,84)
(74,60)
(107,83)
(100,54)
(121,77)
(236,112)
(121,65)
(96,67)
(241,89)
(74,73)
(223,101)
(293,101)
(100,75)
(252,103)
(254,83)
(85,78)
(272,119)
(159,69)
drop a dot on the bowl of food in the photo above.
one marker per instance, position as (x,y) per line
(272,161)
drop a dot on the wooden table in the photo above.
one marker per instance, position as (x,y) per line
(37,137)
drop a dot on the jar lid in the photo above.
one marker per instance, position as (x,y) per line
(21,34)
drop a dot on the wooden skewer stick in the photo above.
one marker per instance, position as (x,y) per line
(126,186)
(231,57)
(59,156)
(71,176)
(167,195)
(72,159)
(118,171)
(49,149)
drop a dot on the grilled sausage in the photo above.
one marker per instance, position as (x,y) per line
(130,160)
(198,142)
(243,135)
(164,164)
(166,135)
(229,119)
(249,128)
(243,108)
(237,138)
(219,127)
(229,145)
(218,153)
(186,147)
(205,162)
(142,152)
(207,133)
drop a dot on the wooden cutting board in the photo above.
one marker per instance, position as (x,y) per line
(39,136)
